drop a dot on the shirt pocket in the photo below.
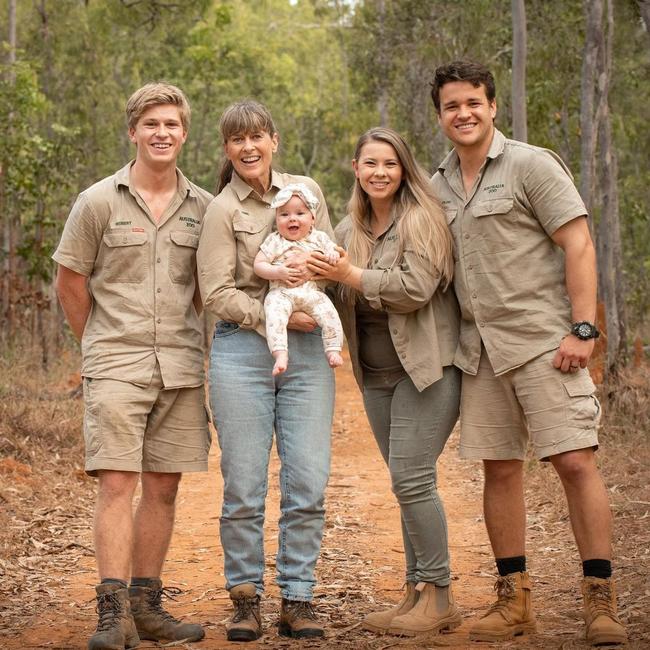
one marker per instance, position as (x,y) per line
(182,256)
(249,233)
(495,222)
(125,256)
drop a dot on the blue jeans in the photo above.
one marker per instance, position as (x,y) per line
(411,429)
(248,403)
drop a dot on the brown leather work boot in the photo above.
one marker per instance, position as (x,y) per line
(511,615)
(380,621)
(298,620)
(152,621)
(603,624)
(435,611)
(115,629)
(246,621)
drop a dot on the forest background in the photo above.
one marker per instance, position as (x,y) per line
(572,76)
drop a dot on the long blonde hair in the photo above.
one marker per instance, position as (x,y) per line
(421,224)
(247,116)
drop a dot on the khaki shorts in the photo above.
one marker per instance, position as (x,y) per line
(558,411)
(135,429)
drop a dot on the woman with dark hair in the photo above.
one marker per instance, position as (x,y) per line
(248,402)
(401,320)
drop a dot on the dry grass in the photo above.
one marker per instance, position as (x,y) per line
(43,491)
(46,504)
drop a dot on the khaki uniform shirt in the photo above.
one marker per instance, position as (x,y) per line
(509,275)
(236,223)
(141,279)
(423,320)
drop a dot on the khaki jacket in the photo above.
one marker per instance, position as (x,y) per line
(422,318)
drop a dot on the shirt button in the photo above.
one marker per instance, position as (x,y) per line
(466,235)
(158,260)
(124,240)
(159,320)
(157,348)
(394,331)
(158,290)
(470,267)
(473,295)
(482,323)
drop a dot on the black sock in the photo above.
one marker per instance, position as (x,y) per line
(506,565)
(141,582)
(113,581)
(597,569)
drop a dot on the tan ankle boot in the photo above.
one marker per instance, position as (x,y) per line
(511,615)
(603,624)
(435,611)
(380,621)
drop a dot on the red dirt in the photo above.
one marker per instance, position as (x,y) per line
(361,566)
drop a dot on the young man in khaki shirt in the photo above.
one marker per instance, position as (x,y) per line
(525,278)
(127,284)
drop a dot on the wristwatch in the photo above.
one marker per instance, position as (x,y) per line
(585,330)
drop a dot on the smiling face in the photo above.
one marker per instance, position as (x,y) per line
(378,170)
(251,154)
(466,115)
(159,135)
(294,219)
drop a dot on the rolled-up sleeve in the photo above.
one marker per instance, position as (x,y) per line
(81,238)
(403,288)
(217,261)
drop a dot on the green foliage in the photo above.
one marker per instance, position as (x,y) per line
(325,68)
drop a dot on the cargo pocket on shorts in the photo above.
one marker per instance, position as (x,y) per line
(584,407)
(125,256)
(182,256)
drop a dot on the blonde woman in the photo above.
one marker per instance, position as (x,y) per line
(401,320)
(248,402)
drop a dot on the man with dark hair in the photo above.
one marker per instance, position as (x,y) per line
(526,282)
(126,282)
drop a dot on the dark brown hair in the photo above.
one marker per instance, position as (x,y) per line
(463,70)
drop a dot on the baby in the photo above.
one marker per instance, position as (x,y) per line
(294,217)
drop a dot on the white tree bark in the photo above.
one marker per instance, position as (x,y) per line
(519,119)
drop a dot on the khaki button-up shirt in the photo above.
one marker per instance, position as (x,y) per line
(236,223)
(509,274)
(141,279)
(423,320)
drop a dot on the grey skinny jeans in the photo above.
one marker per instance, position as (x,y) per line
(411,429)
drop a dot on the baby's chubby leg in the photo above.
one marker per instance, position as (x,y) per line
(324,313)
(277,309)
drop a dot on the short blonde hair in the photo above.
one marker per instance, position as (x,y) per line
(156,94)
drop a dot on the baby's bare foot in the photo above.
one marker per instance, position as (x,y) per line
(281,362)
(334,359)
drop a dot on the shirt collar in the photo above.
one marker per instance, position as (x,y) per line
(242,189)
(451,162)
(123,177)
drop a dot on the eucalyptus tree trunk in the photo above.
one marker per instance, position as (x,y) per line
(588,120)
(519,120)
(6,214)
(610,267)
(644,8)
(382,98)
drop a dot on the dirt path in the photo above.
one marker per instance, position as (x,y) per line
(361,565)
